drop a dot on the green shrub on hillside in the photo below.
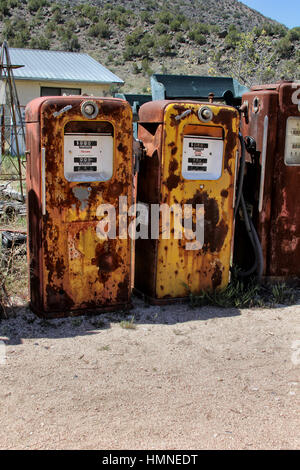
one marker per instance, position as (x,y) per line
(284,48)
(118,15)
(180,37)
(16,32)
(233,37)
(165,17)
(57,16)
(147,17)
(68,38)
(274,29)
(198,33)
(4,8)
(147,70)
(175,25)
(39,42)
(294,34)
(138,44)
(163,46)
(14,3)
(161,28)
(88,11)
(99,30)
(34,5)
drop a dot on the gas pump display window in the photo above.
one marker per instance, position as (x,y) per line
(292,141)
(202,158)
(88,156)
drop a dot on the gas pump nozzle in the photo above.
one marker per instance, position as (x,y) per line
(250,144)
(244,109)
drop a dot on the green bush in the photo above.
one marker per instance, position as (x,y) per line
(257,31)
(72,44)
(150,4)
(135,69)
(14,3)
(180,38)
(39,42)
(284,48)
(57,16)
(88,11)
(197,35)
(49,30)
(20,39)
(202,28)
(118,15)
(175,25)
(294,34)
(147,17)
(68,39)
(233,36)
(146,67)
(273,29)
(99,30)
(16,32)
(82,22)
(34,5)
(134,38)
(163,45)
(161,28)
(4,7)
(165,17)
(138,44)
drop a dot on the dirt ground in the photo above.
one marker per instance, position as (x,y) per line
(179,378)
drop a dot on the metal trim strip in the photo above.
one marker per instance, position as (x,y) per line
(263,163)
(43,182)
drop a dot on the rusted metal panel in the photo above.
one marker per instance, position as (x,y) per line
(72,271)
(165,269)
(275,189)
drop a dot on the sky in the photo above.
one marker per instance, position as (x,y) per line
(284,11)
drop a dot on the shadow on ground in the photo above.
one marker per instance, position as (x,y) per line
(23,324)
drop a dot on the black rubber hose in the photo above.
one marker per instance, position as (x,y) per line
(241,174)
(258,252)
(258,265)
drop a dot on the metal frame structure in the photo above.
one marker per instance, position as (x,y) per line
(12,124)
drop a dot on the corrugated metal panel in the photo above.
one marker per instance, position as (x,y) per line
(196,87)
(59,66)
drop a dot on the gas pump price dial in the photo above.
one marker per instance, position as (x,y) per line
(88,157)
(292,142)
(202,158)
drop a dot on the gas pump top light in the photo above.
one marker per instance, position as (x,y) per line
(205,114)
(89,109)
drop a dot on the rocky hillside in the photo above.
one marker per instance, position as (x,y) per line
(135,38)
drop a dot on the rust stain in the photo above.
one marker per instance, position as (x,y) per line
(216,278)
(106,259)
(224,193)
(215,230)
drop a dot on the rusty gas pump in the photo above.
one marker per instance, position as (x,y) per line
(79,160)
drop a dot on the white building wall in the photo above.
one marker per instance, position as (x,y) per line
(29,89)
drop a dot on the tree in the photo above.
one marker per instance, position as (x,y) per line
(251,61)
